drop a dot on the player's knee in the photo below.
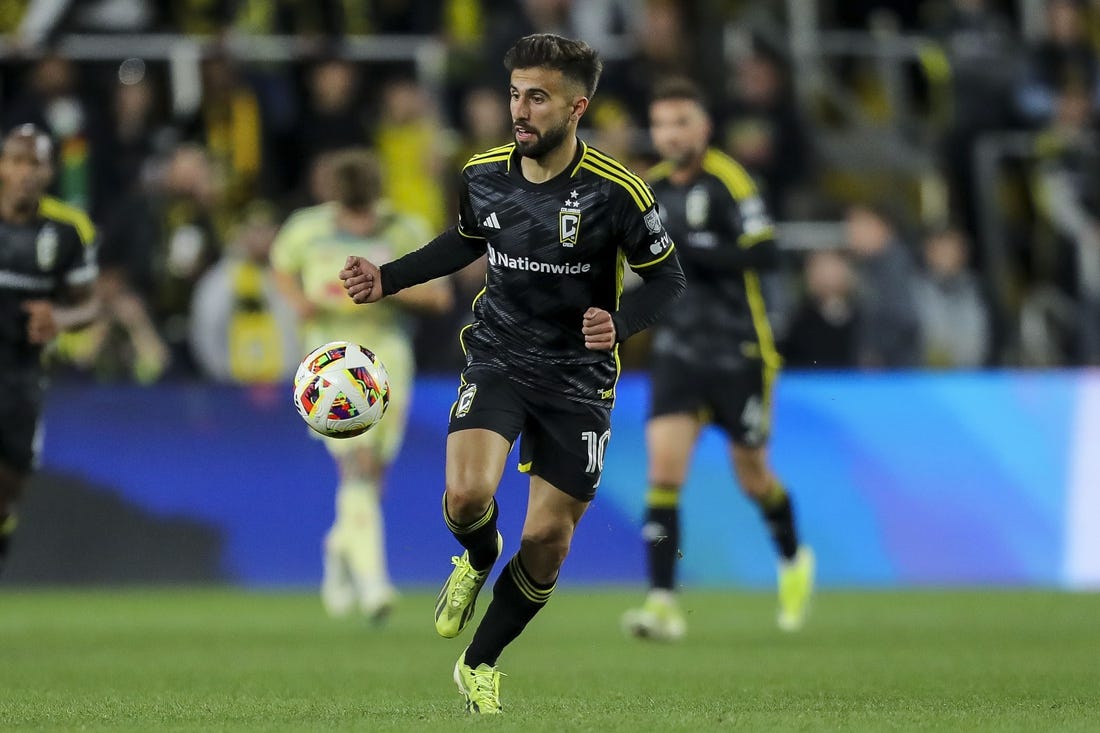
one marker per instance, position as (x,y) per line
(546,549)
(468,496)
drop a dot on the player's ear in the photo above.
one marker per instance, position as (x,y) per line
(580,104)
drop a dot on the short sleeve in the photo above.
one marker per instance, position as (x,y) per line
(289,248)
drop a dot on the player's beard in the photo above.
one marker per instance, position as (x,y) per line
(544,142)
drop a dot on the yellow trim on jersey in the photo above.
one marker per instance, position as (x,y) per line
(476,297)
(748,240)
(468,236)
(584,152)
(654,262)
(613,171)
(461,343)
(727,170)
(493,155)
(51,208)
(659,171)
(524,467)
(759,313)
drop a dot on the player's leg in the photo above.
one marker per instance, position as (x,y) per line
(745,414)
(673,427)
(520,592)
(356,544)
(475,463)
(670,440)
(562,449)
(485,420)
(11,485)
(20,443)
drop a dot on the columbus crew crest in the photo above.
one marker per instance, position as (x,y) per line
(569,220)
(46,247)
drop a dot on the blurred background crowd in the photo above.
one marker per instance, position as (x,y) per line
(933,164)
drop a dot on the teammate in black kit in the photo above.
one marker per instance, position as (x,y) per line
(47,273)
(558,221)
(713,357)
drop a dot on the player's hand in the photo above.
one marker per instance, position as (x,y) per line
(598,330)
(41,324)
(362,279)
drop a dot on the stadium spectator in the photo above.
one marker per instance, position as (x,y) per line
(242,328)
(763,129)
(56,102)
(1065,257)
(155,248)
(823,332)
(954,317)
(332,118)
(412,151)
(308,252)
(1063,58)
(888,327)
(230,127)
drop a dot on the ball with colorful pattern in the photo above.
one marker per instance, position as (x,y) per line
(341,389)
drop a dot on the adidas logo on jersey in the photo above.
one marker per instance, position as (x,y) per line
(491,221)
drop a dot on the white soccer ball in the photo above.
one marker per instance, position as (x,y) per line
(341,389)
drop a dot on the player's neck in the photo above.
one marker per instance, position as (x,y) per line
(541,170)
(17,212)
(686,172)
(359,223)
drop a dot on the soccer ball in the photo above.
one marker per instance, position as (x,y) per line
(341,389)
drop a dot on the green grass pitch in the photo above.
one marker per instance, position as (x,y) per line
(221,660)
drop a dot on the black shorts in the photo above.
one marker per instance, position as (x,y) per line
(20,414)
(736,400)
(563,442)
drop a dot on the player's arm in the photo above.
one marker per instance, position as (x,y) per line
(755,247)
(448,253)
(288,251)
(76,303)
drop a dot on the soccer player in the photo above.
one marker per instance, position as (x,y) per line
(308,252)
(47,285)
(558,221)
(713,358)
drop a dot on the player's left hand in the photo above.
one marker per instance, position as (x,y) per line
(598,330)
(41,324)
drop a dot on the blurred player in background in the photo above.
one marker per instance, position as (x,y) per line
(308,252)
(713,357)
(47,285)
(558,220)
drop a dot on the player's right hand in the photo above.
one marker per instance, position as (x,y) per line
(362,279)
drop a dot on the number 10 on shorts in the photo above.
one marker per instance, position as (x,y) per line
(597,445)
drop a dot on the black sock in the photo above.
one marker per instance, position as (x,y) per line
(779,516)
(516,600)
(7,529)
(479,537)
(662,535)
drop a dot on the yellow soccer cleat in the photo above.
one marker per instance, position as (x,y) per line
(659,618)
(455,604)
(796,586)
(479,685)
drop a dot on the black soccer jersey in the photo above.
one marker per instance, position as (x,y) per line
(554,250)
(39,260)
(721,320)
